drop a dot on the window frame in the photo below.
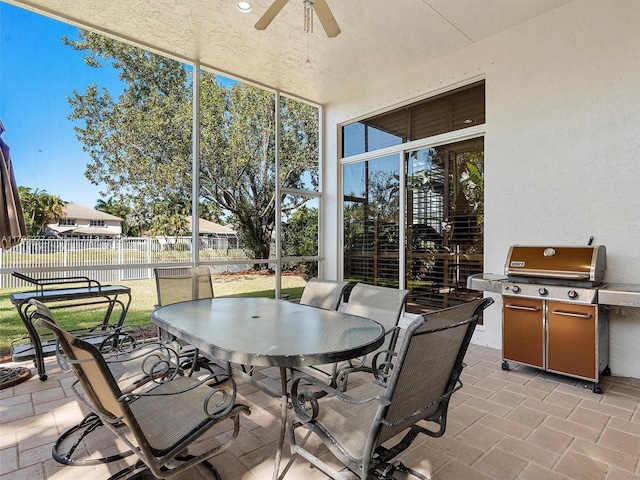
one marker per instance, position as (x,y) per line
(402,150)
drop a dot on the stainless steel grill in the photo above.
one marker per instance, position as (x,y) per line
(551,318)
(531,274)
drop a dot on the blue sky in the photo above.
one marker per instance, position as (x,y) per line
(37,72)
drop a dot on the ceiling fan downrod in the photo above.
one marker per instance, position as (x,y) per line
(308,16)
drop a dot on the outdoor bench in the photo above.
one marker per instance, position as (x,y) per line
(73,291)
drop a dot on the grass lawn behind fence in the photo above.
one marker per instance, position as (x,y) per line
(143,300)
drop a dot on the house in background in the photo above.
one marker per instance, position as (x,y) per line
(84,222)
(214,235)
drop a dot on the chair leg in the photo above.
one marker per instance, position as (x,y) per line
(397,466)
(139,471)
(90,423)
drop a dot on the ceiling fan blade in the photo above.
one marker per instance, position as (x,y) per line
(326,18)
(270,14)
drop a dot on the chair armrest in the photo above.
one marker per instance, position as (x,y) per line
(358,362)
(155,363)
(305,403)
(380,371)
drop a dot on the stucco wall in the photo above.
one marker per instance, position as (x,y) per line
(562,144)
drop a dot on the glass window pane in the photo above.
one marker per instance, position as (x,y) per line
(445,218)
(371,221)
(362,137)
(353,139)
(455,110)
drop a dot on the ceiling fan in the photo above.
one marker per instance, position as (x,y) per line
(327,20)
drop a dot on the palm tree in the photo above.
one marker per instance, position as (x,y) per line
(50,208)
(40,209)
(118,209)
(169,225)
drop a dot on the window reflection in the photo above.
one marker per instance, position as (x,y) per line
(371,221)
(455,110)
(360,137)
(445,218)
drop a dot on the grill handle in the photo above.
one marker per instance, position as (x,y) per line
(549,274)
(571,314)
(520,307)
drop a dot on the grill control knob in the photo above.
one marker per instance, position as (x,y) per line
(515,289)
(543,291)
(572,294)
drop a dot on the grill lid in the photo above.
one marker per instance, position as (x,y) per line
(580,266)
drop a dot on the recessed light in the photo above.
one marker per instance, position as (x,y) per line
(244,7)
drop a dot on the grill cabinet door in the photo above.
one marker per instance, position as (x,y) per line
(523,331)
(571,337)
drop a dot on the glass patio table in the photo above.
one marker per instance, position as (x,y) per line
(269,333)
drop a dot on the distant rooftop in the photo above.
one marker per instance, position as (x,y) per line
(74,210)
(208,227)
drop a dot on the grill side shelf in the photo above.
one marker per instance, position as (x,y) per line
(486,282)
(619,295)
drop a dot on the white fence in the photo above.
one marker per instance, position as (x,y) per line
(118,259)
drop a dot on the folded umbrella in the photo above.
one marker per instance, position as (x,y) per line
(12,227)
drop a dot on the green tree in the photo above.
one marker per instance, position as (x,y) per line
(40,208)
(169,219)
(300,234)
(140,143)
(169,225)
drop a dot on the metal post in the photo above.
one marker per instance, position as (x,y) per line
(278,201)
(195,193)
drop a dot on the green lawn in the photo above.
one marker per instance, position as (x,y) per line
(143,299)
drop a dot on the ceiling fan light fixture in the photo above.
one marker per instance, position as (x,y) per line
(244,7)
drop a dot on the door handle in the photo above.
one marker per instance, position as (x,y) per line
(520,307)
(571,314)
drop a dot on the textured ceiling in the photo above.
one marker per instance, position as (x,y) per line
(379,37)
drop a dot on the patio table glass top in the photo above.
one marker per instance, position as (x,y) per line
(269,332)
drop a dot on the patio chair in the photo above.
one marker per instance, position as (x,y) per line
(129,355)
(124,348)
(382,304)
(162,416)
(408,392)
(179,284)
(325,294)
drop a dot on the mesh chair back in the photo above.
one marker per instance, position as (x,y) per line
(428,366)
(89,366)
(382,304)
(179,284)
(323,293)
